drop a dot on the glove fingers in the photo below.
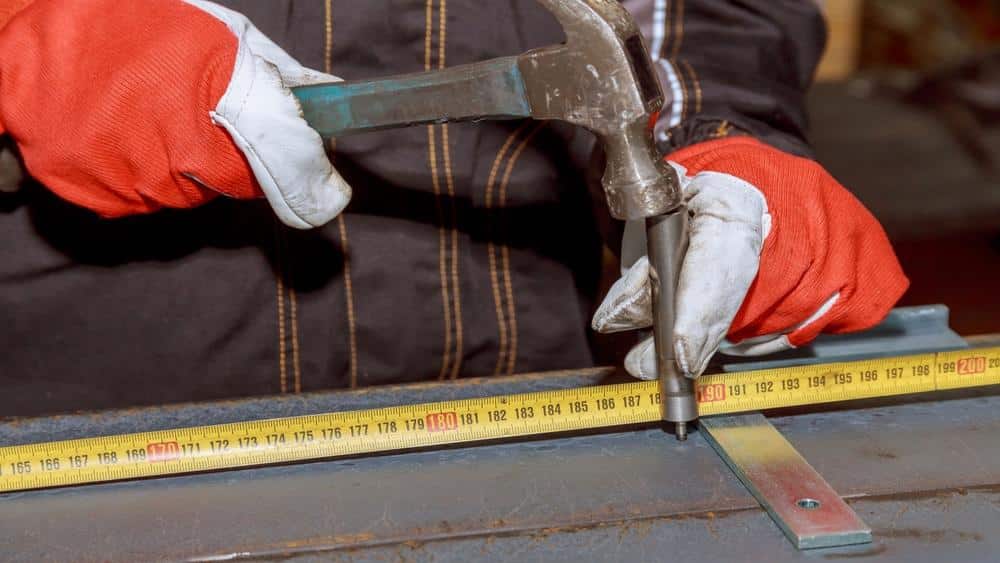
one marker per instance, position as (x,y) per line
(628,304)
(728,226)
(641,360)
(776,342)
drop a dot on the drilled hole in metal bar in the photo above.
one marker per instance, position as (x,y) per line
(808,503)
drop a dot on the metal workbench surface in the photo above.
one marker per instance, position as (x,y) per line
(924,472)
(926,477)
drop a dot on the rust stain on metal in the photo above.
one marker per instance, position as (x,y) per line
(629,526)
(930,536)
(638,529)
(414,544)
(710,525)
(341,539)
(879,453)
(927,495)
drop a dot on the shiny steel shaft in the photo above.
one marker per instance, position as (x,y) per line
(666,237)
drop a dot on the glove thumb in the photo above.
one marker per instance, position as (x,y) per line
(262,115)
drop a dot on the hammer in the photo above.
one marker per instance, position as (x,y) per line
(601,79)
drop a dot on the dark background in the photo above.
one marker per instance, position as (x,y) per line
(906,113)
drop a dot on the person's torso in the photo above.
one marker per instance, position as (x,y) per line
(470,248)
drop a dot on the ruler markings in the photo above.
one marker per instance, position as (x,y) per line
(388,429)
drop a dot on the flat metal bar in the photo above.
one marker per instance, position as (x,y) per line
(491,89)
(797,498)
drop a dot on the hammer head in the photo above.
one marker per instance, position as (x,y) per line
(602,79)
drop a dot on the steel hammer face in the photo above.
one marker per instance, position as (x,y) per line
(602,79)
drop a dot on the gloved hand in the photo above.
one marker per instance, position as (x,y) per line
(779,252)
(129,107)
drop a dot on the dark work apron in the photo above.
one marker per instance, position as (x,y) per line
(468,250)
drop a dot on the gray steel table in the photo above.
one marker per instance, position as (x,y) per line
(924,472)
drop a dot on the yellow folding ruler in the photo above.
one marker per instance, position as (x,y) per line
(225,446)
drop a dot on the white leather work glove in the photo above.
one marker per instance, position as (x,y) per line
(129,107)
(779,252)
(264,119)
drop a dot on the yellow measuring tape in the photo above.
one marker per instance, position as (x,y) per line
(224,446)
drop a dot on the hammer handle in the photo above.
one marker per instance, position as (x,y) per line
(492,89)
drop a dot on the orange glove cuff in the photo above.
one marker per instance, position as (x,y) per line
(109,103)
(823,243)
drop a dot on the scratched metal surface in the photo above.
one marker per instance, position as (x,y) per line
(924,528)
(633,492)
(478,498)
